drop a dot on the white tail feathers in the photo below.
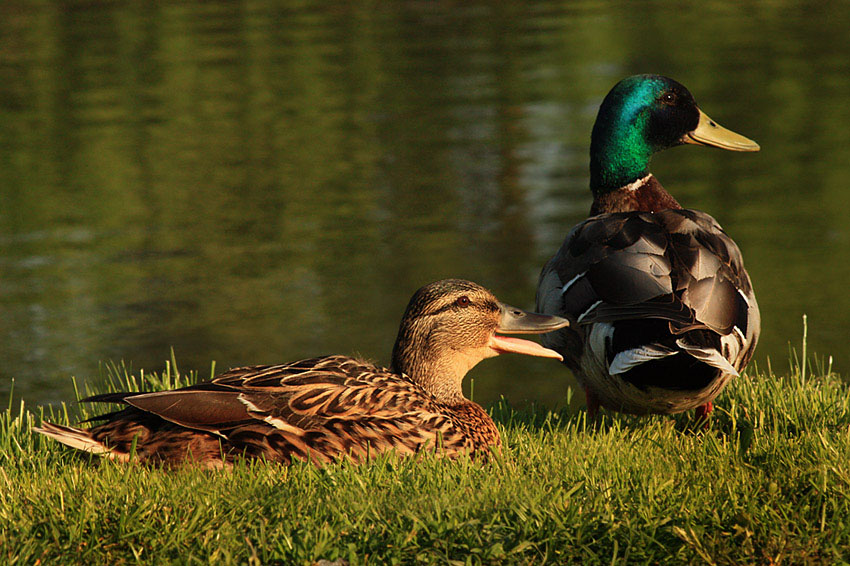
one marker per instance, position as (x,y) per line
(75,438)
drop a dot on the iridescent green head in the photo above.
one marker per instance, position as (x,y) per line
(641,115)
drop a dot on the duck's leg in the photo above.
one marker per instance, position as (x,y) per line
(703,411)
(592,405)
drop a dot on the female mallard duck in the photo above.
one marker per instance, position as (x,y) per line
(326,408)
(663,309)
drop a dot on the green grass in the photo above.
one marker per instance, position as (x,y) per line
(768,482)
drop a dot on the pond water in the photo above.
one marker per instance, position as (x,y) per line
(256,182)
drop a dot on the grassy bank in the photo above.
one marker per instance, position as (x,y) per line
(767,483)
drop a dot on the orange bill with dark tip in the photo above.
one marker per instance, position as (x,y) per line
(506,344)
(518,321)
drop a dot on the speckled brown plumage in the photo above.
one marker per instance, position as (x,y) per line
(323,409)
(316,409)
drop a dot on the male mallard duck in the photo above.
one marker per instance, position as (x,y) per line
(663,309)
(326,408)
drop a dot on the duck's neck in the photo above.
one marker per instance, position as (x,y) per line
(618,162)
(437,371)
(620,149)
(644,194)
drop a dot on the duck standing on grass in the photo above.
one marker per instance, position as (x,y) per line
(322,409)
(663,309)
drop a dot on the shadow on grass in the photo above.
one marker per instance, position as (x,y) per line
(540,417)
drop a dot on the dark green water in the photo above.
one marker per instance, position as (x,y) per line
(257,182)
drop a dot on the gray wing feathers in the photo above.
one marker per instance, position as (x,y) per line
(673,265)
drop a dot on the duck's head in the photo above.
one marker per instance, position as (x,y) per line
(641,115)
(451,325)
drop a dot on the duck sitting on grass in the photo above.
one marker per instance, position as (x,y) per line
(323,409)
(664,311)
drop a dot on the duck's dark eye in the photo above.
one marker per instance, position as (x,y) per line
(462,301)
(668,98)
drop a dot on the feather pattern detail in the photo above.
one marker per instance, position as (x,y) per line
(669,292)
(327,408)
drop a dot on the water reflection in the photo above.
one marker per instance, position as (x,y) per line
(249,182)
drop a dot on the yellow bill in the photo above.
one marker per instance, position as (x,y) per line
(709,132)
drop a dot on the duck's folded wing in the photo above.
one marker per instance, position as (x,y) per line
(335,387)
(676,266)
(205,406)
(301,394)
(327,407)
(319,409)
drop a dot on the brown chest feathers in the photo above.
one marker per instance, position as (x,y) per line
(644,195)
